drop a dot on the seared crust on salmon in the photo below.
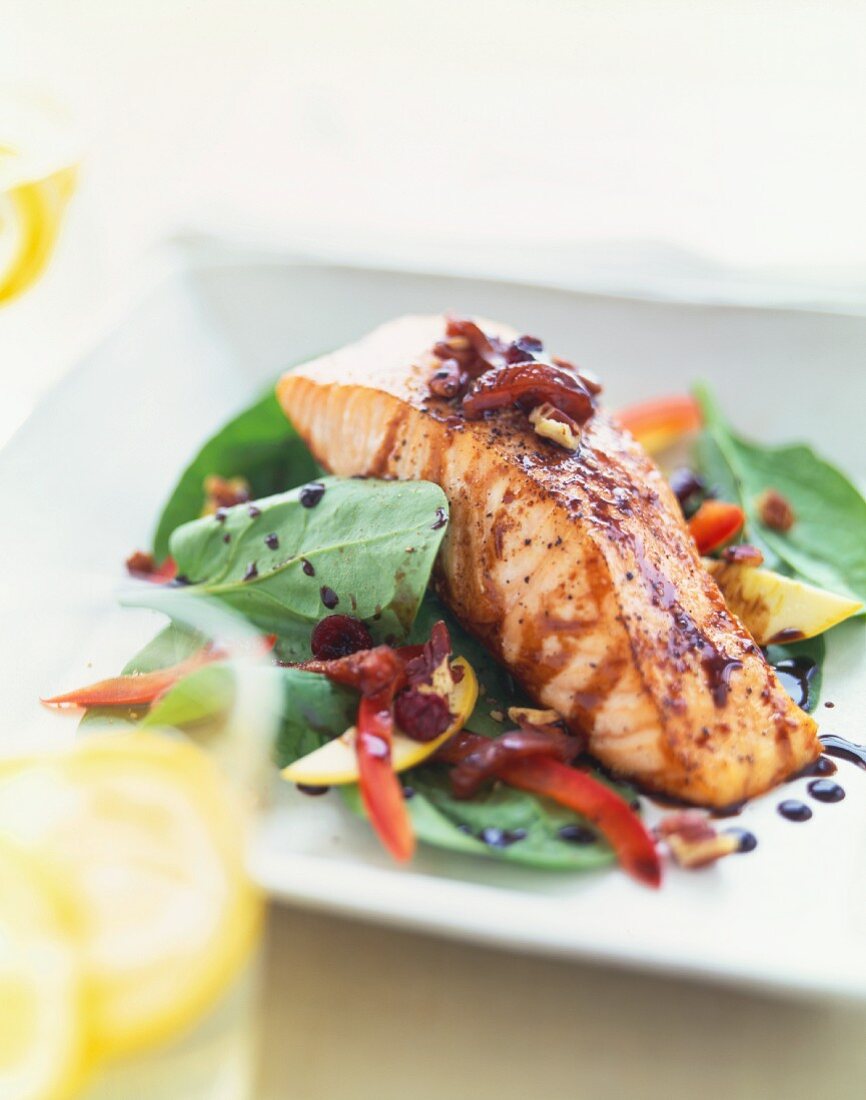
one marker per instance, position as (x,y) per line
(575,569)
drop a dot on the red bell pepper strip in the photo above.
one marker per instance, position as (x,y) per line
(165,572)
(608,811)
(715,523)
(142,566)
(658,423)
(134,690)
(534,769)
(141,689)
(381,790)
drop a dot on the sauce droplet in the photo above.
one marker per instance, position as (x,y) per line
(311,494)
(308,567)
(254,511)
(252,572)
(308,788)
(577,834)
(501,838)
(825,790)
(794,810)
(846,750)
(441,520)
(272,541)
(795,675)
(748,841)
(329,597)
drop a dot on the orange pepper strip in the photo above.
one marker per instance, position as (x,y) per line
(715,523)
(381,789)
(661,422)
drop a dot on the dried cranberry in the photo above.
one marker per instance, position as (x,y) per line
(743,553)
(586,376)
(368,671)
(448,380)
(338,636)
(528,385)
(688,487)
(477,758)
(421,715)
(140,564)
(420,669)
(775,511)
(524,349)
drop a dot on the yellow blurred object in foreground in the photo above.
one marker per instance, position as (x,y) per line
(43,1046)
(134,907)
(33,199)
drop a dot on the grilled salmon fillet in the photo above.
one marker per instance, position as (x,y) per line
(574,568)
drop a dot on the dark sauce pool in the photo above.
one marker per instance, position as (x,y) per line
(796,675)
(844,749)
(821,768)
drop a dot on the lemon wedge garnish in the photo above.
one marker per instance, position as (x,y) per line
(336,762)
(143,825)
(43,1042)
(776,608)
(32,204)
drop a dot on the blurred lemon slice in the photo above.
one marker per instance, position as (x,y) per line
(38,172)
(145,826)
(42,1006)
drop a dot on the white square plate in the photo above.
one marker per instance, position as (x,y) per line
(82,483)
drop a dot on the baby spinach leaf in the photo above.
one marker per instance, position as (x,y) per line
(314,711)
(173,644)
(202,696)
(827,544)
(259,444)
(366,549)
(520,827)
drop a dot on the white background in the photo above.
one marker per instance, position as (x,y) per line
(686,131)
(697,133)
